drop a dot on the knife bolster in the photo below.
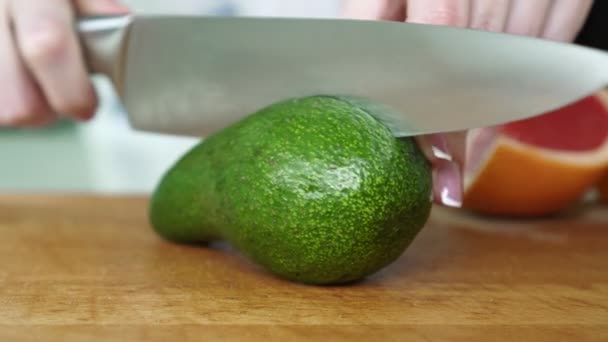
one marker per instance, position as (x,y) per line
(103,40)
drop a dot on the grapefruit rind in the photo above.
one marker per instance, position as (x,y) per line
(516,179)
(506,176)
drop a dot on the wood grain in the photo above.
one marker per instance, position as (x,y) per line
(86,268)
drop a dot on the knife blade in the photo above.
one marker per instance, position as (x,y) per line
(194,75)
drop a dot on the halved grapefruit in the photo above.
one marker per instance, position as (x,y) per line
(541,165)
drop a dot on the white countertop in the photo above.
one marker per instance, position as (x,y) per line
(103,155)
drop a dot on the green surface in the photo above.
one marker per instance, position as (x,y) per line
(316,190)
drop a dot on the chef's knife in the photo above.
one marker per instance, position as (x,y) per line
(192,75)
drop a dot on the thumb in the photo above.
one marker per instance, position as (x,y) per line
(100,7)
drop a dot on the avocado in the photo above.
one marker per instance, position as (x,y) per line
(314,189)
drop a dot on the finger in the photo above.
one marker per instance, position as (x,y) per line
(21,103)
(373,10)
(527,18)
(566,19)
(438,12)
(393,10)
(50,49)
(489,15)
(446,153)
(96,7)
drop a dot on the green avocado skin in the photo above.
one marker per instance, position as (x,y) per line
(314,189)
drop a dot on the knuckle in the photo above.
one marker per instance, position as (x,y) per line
(47,41)
(488,19)
(485,25)
(525,30)
(442,17)
(450,18)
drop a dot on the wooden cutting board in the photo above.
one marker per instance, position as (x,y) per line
(84,268)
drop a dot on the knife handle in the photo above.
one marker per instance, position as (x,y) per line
(102,40)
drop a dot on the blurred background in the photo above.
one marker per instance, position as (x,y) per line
(106,155)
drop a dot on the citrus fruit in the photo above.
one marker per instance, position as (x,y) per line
(538,166)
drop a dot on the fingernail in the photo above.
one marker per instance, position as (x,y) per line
(439,147)
(448,184)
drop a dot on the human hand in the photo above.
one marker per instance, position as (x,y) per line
(558,20)
(43,71)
